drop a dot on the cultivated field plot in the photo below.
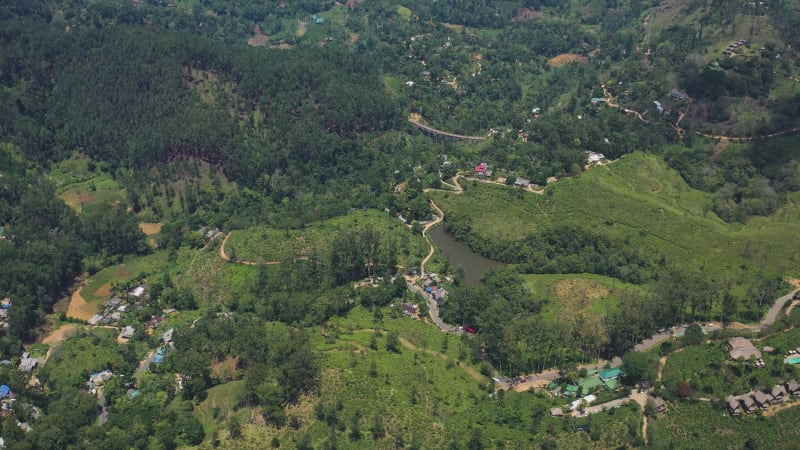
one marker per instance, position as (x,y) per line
(98,288)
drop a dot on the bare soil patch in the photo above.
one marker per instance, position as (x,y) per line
(578,293)
(150,228)
(79,308)
(224,368)
(122,272)
(567,58)
(525,14)
(61,334)
(103,290)
(86,198)
(258,40)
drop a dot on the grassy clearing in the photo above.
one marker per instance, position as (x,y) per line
(85,353)
(594,294)
(640,202)
(96,289)
(270,244)
(97,192)
(219,406)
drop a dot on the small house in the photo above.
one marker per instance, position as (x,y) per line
(522,182)
(571,390)
(3,314)
(678,95)
(166,337)
(556,412)
(5,392)
(26,363)
(481,169)
(793,388)
(659,108)
(410,309)
(115,301)
(95,319)
(610,374)
(5,303)
(127,332)
(734,406)
(762,399)
(155,321)
(740,347)
(778,393)
(101,377)
(659,403)
(748,404)
(138,291)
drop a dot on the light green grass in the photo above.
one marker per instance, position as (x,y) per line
(595,294)
(121,273)
(640,202)
(219,405)
(85,353)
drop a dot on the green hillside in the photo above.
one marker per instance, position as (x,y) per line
(637,202)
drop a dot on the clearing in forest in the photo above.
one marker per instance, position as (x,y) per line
(567,58)
(150,228)
(79,308)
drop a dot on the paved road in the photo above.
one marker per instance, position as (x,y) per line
(772,314)
(144,365)
(433,309)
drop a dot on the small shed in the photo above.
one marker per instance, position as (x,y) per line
(556,412)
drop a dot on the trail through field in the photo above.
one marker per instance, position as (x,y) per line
(471,371)
(61,334)
(226,257)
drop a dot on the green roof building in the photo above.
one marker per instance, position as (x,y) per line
(589,384)
(610,374)
(571,390)
(612,385)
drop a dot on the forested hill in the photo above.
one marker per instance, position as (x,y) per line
(125,95)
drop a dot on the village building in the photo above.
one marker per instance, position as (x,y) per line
(97,380)
(556,412)
(659,403)
(742,348)
(166,337)
(678,95)
(138,291)
(411,309)
(793,388)
(127,332)
(761,399)
(610,374)
(748,404)
(594,158)
(734,406)
(778,393)
(522,182)
(585,401)
(26,363)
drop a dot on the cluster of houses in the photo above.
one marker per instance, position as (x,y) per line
(752,401)
(116,307)
(594,381)
(96,380)
(732,48)
(430,286)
